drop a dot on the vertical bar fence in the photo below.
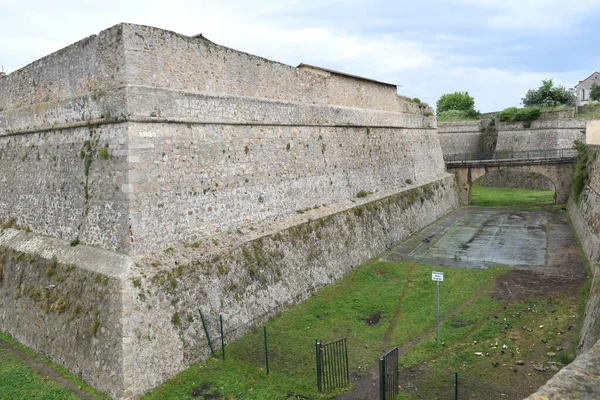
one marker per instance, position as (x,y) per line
(332,365)
(222,336)
(212,351)
(388,375)
(266,349)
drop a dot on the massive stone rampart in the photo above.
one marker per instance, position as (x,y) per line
(543,134)
(160,174)
(585,215)
(581,378)
(248,138)
(553,131)
(464,137)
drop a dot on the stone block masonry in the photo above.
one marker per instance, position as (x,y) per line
(551,131)
(581,378)
(148,174)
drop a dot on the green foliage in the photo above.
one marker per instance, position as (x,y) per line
(405,98)
(549,96)
(514,114)
(581,175)
(591,110)
(363,193)
(18,381)
(595,92)
(455,101)
(416,100)
(9,224)
(458,115)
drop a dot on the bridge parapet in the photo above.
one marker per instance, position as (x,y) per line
(512,155)
(556,164)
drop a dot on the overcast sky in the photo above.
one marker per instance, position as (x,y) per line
(494,49)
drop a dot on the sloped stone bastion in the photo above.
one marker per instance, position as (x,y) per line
(149,175)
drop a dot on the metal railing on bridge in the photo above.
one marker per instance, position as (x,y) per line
(513,155)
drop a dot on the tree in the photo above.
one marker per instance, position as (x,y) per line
(595,92)
(549,96)
(455,101)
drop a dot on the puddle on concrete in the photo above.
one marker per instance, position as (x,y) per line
(480,237)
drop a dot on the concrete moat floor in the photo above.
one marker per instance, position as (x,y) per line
(479,237)
(539,244)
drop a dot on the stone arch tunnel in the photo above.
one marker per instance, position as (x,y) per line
(558,174)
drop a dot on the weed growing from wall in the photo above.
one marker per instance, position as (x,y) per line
(581,176)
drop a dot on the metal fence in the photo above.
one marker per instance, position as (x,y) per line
(429,383)
(332,365)
(511,155)
(290,355)
(388,375)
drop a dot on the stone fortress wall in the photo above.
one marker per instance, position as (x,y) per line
(581,378)
(193,176)
(262,139)
(552,131)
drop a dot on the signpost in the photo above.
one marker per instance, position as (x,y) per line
(437,277)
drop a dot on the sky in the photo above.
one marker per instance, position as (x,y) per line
(494,49)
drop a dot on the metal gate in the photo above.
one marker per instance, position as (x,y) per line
(388,375)
(332,365)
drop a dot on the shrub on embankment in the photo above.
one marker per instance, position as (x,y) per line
(526,115)
(458,115)
(581,176)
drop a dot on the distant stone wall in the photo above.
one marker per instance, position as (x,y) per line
(462,137)
(544,134)
(516,179)
(592,132)
(554,130)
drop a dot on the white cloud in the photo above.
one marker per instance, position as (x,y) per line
(541,15)
(424,67)
(493,89)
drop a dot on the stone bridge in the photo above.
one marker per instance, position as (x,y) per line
(553,167)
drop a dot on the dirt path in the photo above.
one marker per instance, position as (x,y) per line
(410,344)
(45,370)
(367,387)
(388,334)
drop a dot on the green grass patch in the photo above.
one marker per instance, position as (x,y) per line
(339,310)
(486,196)
(526,115)
(18,381)
(458,115)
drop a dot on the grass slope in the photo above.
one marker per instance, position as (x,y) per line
(17,381)
(484,196)
(340,310)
